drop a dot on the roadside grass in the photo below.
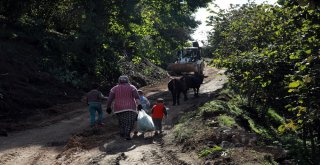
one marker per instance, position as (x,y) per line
(225,120)
(207,151)
(183,131)
(199,126)
(227,114)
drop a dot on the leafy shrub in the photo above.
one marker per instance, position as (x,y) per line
(275,117)
(182,132)
(207,151)
(225,120)
(213,108)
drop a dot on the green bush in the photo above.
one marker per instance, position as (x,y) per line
(213,108)
(225,120)
(207,151)
(182,132)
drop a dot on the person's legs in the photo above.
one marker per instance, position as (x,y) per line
(135,127)
(121,119)
(130,119)
(157,124)
(92,111)
(160,125)
(100,114)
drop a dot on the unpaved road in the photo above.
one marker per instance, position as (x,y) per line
(47,145)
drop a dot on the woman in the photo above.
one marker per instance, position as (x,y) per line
(126,101)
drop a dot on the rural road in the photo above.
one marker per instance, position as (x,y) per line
(51,144)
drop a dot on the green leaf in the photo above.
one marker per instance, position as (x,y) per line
(291,90)
(264,84)
(308,51)
(294,84)
(281,128)
(294,56)
(302,67)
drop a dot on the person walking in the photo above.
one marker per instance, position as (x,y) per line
(126,103)
(158,111)
(144,101)
(145,106)
(94,100)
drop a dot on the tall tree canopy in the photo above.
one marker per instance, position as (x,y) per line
(83,39)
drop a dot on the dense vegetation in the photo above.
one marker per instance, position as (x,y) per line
(51,48)
(273,61)
(83,40)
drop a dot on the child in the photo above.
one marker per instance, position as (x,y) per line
(158,111)
(144,101)
(145,106)
(94,99)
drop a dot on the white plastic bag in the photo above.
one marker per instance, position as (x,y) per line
(144,122)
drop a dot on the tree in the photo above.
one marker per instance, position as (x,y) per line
(272,56)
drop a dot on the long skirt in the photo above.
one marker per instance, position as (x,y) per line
(126,122)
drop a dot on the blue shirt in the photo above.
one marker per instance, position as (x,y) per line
(144,102)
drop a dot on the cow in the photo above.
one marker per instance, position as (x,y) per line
(182,85)
(176,86)
(194,82)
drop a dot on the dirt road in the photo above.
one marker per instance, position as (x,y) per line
(70,141)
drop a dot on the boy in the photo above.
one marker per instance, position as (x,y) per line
(158,111)
(94,99)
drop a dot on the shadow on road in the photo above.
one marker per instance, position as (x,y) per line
(119,145)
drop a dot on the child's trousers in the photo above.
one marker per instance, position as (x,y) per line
(93,108)
(157,123)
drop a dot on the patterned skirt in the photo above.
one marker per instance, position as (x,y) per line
(126,122)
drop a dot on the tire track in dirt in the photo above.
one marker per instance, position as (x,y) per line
(41,145)
(7,157)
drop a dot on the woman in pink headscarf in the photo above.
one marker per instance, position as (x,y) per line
(126,103)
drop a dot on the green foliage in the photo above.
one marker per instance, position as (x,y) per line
(68,77)
(147,71)
(182,132)
(187,117)
(218,107)
(257,128)
(184,129)
(213,108)
(275,117)
(207,151)
(272,56)
(225,120)
(90,37)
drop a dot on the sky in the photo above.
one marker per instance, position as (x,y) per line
(201,32)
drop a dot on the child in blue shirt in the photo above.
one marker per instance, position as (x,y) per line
(144,101)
